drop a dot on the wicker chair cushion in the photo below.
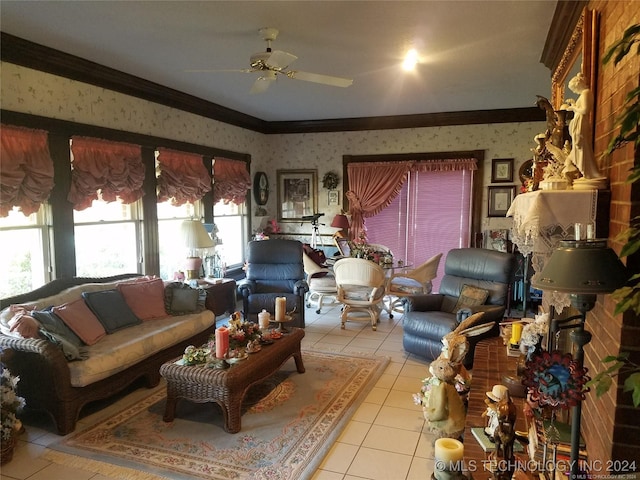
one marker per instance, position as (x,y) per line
(145,298)
(405,285)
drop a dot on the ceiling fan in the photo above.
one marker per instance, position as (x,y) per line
(272,63)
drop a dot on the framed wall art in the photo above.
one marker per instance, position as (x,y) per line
(297,194)
(500,199)
(333,197)
(502,170)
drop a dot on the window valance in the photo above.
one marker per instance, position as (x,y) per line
(27,169)
(231,180)
(182,177)
(443,165)
(101,169)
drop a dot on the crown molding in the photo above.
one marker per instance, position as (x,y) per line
(39,57)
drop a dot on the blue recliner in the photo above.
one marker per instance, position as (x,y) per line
(430,317)
(274,269)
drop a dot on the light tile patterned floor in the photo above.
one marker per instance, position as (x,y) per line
(385,440)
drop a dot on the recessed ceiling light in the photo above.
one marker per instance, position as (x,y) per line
(410,60)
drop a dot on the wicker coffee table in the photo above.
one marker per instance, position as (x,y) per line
(227,388)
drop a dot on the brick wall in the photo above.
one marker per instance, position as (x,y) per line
(610,424)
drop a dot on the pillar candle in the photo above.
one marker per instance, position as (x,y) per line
(516,333)
(281,308)
(449,450)
(222,342)
(263,319)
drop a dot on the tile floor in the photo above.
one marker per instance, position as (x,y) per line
(385,439)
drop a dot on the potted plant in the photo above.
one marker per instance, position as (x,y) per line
(10,405)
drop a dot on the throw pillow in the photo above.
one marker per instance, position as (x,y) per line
(181,299)
(81,320)
(470,296)
(54,324)
(55,331)
(111,309)
(145,298)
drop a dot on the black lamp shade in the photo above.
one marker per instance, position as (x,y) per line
(585,266)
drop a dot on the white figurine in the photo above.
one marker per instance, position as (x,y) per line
(581,155)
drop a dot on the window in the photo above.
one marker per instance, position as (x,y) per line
(172,252)
(431,215)
(108,239)
(25,259)
(231,220)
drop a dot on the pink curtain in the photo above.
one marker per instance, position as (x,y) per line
(372,187)
(27,169)
(103,169)
(444,165)
(231,181)
(182,177)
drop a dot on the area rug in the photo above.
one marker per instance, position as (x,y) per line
(289,423)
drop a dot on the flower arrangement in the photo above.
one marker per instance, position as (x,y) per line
(422,397)
(330,180)
(532,334)
(368,252)
(241,333)
(10,403)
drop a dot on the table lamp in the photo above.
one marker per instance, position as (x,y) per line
(196,239)
(583,269)
(342,222)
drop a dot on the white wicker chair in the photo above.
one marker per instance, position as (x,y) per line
(361,287)
(320,286)
(412,282)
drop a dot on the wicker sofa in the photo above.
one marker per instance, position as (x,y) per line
(50,382)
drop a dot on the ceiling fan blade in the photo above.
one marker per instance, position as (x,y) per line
(208,70)
(318,78)
(280,60)
(263,82)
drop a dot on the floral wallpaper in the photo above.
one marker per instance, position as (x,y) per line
(38,93)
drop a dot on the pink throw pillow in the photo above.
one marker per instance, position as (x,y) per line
(81,320)
(145,299)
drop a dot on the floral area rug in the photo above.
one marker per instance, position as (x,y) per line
(289,423)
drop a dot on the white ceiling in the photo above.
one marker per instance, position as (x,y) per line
(477,55)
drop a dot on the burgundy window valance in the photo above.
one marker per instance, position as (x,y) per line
(231,181)
(374,185)
(101,169)
(27,169)
(182,177)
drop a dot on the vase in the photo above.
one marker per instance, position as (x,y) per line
(6,451)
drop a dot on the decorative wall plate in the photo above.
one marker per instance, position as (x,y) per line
(261,188)
(555,379)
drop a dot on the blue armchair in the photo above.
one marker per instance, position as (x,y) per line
(274,269)
(475,279)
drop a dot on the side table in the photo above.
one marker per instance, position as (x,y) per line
(221,294)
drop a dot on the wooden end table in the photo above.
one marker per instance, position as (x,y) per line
(227,388)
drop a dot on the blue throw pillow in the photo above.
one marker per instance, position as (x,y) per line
(111,310)
(54,324)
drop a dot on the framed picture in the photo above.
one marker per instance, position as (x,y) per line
(333,197)
(502,170)
(297,194)
(500,199)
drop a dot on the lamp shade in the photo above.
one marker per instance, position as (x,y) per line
(195,236)
(582,267)
(340,221)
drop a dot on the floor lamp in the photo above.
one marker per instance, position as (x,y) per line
(583,269)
